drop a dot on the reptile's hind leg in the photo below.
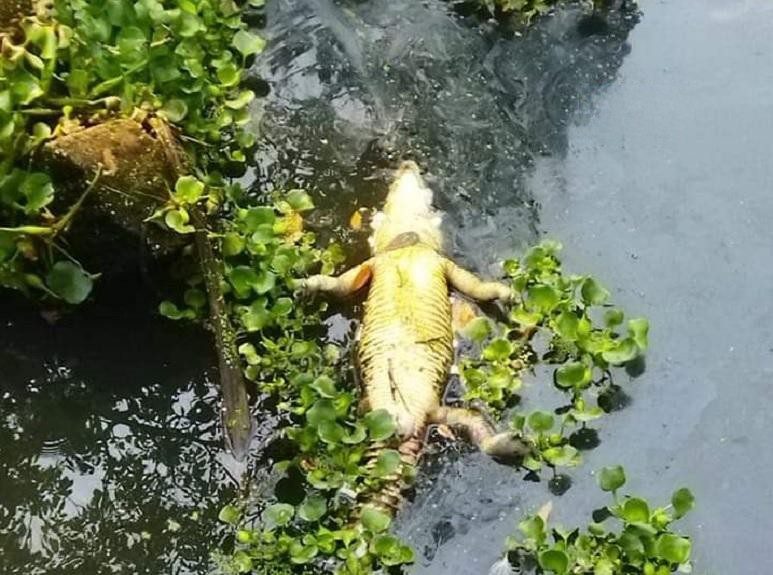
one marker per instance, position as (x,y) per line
(501,445)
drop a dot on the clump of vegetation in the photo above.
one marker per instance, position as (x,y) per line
(585,341)
(643,541)
(180,61)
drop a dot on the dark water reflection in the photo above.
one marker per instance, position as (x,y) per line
(110,450)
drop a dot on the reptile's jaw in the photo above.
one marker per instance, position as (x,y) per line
(408,208)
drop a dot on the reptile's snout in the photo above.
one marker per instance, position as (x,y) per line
(407,209)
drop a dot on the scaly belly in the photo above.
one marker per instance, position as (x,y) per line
(406,348)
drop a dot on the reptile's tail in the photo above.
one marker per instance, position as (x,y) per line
(388,496)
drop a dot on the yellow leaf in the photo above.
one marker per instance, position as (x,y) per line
(355,222)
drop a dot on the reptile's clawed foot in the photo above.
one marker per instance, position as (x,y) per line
(505,446)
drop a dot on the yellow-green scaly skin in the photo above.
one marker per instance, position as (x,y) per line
(406,343)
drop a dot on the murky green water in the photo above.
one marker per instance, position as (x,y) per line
(642,146)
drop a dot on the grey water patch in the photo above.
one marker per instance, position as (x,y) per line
(110,446)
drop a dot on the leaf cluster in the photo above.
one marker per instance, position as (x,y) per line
(642,541)
(180,60)
(585,341)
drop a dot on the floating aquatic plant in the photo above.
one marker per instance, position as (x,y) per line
(641,542)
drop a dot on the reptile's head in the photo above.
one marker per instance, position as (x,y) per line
(408,209)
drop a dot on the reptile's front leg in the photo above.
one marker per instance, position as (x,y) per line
(502,445)
(472,286)
(345,284)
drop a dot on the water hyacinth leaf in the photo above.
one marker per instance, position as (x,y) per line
(313,508)
(170,310)
(542,298)
(331,432)
(381,425)
(524,318)
(242,562)
(248,44)
(242,279)
(264,282)
(256,316)
(177,220)
(498,350)
(613,317)
(683,501)
(37,190)
(673,548)
(278,514)
(635,510)
(241,100)
(174,110)
(324,386)
(477,330)
(375,520)
(561,456)
(540,421)
(387,463)
(232,244)
(638,329)
(574,374)
(188,190)
(195,298)
(322,411)
(593,293)
(533,528)
(299,200)
(255,217)
(357,435)
(611,478)
(625,350)
(391,551)
(554,561)
(229,514)
(69,282)
(301,554)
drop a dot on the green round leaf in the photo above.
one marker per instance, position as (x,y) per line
(278,514)
(188,190)
(683,501)
(175,110)
(381,425)
(323,410)
(69,281)
(375,520)
(540,421)
(593,293)
(638,330)
(299,200)
(625,350)
(387,463)
(611,478)
(555,561)
(391,551)
(312,508)
(229,514)
(498,350)
(247,43)
(477,330)
(242,562)
(635,510)
(542,297)
(673,548)
(574,374)
(177,220)
(533,528)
